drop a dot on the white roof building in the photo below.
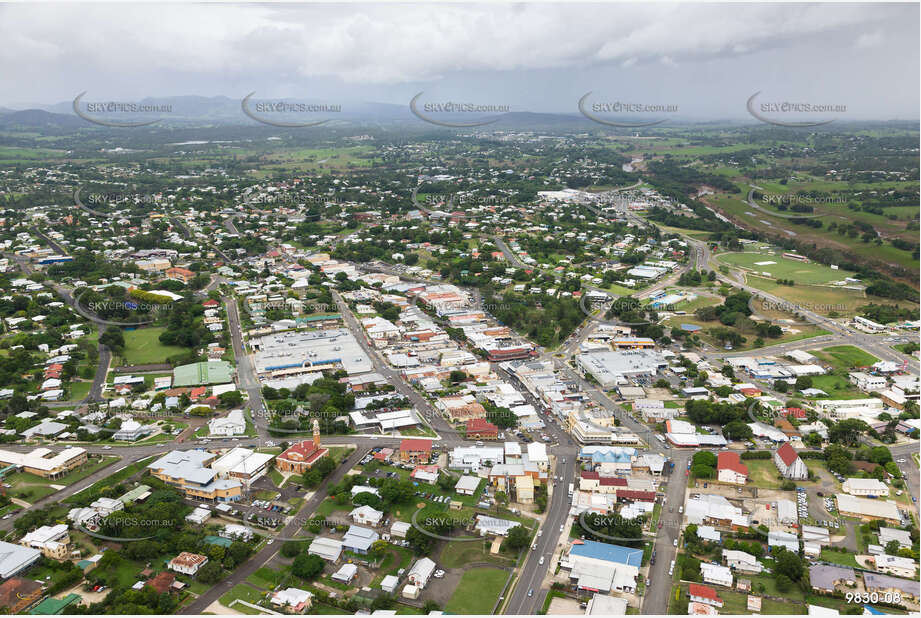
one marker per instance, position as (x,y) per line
(420,572)
(711,507)
(716,574)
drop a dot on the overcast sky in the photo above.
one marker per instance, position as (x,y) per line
(706,59)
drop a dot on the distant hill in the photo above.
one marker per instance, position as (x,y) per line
(39,119)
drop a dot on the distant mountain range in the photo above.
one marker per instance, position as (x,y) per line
(226,111)
(221,110)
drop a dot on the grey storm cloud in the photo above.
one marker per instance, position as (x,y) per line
(385,51)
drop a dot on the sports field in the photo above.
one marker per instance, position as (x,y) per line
(783,268)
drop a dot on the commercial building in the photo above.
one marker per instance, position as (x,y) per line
(242,464)
(15,558)
(207,372)
(415,450)
(865,487)
(43,462)
(293,353)
(715,510)
(234,424)
(188,471)
(868,509)
(610,368)
(602,567)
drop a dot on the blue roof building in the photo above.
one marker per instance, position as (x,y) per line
(608,552)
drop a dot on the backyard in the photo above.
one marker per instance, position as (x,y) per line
(477,592)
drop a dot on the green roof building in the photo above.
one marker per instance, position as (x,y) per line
(218,540)
(197,374)
(50,607)
(135,494)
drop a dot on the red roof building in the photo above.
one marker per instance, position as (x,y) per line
(787,453)
(300,457)
(730,469)
(162,582)
(750,392)
(179,274)
(795,412)
(789,463)
(210,303)
(415,450)
(481,429)
(635,495)
(704,594)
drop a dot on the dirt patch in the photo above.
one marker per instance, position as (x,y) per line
(218,609)
(441,590)
(564,606)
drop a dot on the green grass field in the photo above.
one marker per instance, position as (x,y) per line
(142,346)
(477,592)
(842,557)
(803,273)
(845,356)
(836,387)
(763,473)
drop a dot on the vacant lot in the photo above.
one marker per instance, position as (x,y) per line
(143,346)
(477,592)
(783,268)
(845,357)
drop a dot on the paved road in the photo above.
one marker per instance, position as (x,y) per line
(246,370)
(292,529)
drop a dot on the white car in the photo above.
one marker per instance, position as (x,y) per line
(561,527)
(675,543)
(270,541)
(540,532)
(541,561)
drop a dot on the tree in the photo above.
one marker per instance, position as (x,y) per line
(737,430)
(789,564)
(803,382)
(847,431)
(211,573)
(306,566)
(892,548)
(518,537)
(290,549)
(783,583)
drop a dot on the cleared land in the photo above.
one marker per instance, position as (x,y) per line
(142,346)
